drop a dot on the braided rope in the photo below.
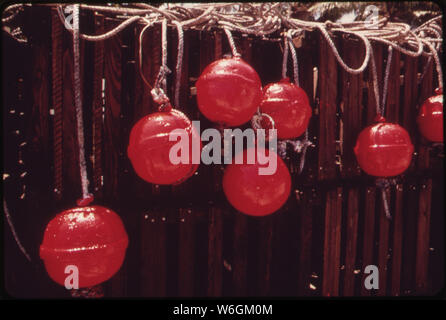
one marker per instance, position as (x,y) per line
(231,43)
(262,19)
(57,104)
(14,233)
(179,62)
(78,106)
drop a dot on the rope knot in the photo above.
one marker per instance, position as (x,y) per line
(331,24)
(85,201)
(161,98)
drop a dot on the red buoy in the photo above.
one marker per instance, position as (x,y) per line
(252,193)
(91,238)
(229,91)
(384,149)
(430,118)
(149,147)
(289,106)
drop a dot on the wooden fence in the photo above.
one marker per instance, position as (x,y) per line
(187,240)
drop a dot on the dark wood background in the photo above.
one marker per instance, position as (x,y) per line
(186,240)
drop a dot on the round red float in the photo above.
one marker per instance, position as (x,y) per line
(91,238)
(252,193)
(430,118)
(384,149)
(149,147)
(229,91)
(289,106)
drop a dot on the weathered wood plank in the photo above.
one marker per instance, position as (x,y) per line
(212,50)
(332,243)
(327,168)
(425,196)
(215,256)
(305,229)
(153,253)
(383,248)
(351,108)
(351,245)
(397,242)
(186,252)
(327,111)
(368,234)
(97,108)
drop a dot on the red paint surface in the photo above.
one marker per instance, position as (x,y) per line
(384,149)
(430,119)
(289,106)
(254,194)
(91,238)
(149,147)
(229,91)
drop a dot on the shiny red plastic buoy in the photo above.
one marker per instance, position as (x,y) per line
(91,238)
(149,147)
(430,118)
(229,91)
(289,106)
(384,149)
(252,193)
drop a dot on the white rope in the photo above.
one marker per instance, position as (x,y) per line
(179,62)
(78,104)
(386,79)
(294,56)
(437,63)
(141,37)
(285,58)
(14,233)
(231,43)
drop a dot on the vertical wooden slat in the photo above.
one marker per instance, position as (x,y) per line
(97,107)
(186,253)
(368,234)
(370,192)
(153,254)
(305,205)
(351,126)
(240,248)
(240,255)
(332,243)
(352,237)
(422,250)
(425,195)
(305,246)
(327,168)
(212,49)
(397,242)
(392,115)
(383,249)
(112,137)
(112,119)
(327,109)
(56,40)
(187,225)
(215,256)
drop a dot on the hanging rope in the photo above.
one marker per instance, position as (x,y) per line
(86,196)
(179,62)
(231,43)
(285,58)
(141,36)
(386,80)
(262,19)
(294,57)
(160,87)
(14,233)
(298,146)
